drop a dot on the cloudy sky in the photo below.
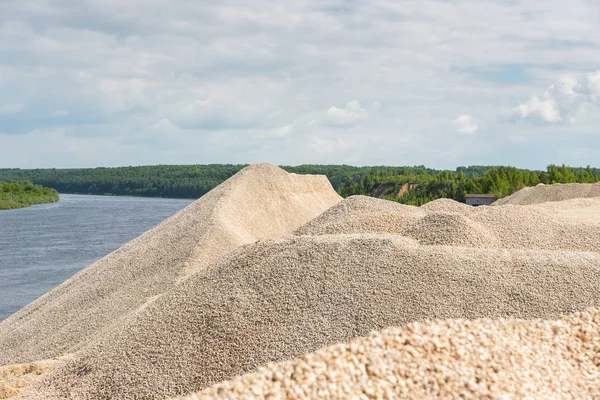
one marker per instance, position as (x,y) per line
(366,82)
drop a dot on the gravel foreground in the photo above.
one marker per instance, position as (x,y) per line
(240,289)
(481,359)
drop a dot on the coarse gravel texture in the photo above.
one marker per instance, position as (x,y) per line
(363,265)
(14,379)
(481,359)
(556,192)
(279,299)
(261,201)
(584,211)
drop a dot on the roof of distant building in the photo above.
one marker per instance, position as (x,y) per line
(486,196)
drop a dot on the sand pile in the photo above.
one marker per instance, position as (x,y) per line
(480,359)
(261,201)
(278,299)
(556,192)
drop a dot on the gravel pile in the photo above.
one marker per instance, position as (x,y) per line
(362,214)
(546,193)
(363,265)
(278,299)
(447,222)
(261,201)
(482,359)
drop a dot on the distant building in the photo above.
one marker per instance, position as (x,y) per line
(480,199)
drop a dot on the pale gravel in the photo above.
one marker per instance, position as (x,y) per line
(281,298)
(447,222)
(14,379)
(545,193)
(261,201)
(363,265)
(579,210)
(481,359)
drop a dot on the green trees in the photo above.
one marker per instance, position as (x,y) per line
(499,181)
(18,194)
(192,181)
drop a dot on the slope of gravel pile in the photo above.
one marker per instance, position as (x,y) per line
(278,299)
(546,193)
(584,211)
(447,222)
(261,201)
(482,359)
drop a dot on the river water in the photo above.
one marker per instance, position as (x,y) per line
(43,245)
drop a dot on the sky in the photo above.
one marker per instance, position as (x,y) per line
(86,83)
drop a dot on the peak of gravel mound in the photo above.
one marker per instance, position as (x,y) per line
(362,214)
(547,193)
(452,229)
(481,359)
(278,299)
(261,201)
(447,205)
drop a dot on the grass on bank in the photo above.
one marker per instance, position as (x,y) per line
(19,194)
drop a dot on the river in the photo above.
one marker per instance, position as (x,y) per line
(43,245)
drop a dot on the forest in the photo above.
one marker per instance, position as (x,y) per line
(19,194)
(496,180)
(193,181)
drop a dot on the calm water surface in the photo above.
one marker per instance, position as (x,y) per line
(43,245)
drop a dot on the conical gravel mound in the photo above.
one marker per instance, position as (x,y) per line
(262,201)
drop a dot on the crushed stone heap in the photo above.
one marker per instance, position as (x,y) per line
(363,265)
(481,359)
(546,193)
(449,223)
(260,202)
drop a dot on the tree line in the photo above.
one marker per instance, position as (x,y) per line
(19,194)
(430,185)
(193,181)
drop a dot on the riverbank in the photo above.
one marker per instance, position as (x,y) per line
(20,194)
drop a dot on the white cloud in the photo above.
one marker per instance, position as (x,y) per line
(282,131)
(60,113)
(11,108)
(165,125)
(322,145)
(546,110)
(590,85)
(352,114)
(464,124)
(566,100)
